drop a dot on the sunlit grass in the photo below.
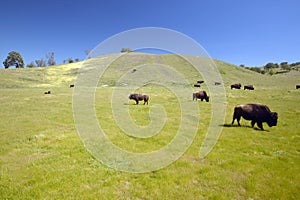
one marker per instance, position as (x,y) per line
(42,156)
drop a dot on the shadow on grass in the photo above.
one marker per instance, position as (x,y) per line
(134,104)
(244,126)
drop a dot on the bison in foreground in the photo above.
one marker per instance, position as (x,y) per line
(139,97)
(200,95)
(257,113)
(248,87)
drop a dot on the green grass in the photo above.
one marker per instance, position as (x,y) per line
(42,156)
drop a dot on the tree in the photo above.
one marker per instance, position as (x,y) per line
(13,59)
(70,60)
(30,65)
(285,66)
(123,50)
(87,52)
(51,60)
(40,63)
(271,65)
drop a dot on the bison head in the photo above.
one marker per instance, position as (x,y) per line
(134,96)
(207,98)
(273,119)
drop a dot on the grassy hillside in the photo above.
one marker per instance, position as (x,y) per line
(43,157)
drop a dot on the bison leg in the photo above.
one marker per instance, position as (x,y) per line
(137,101)
(259,124)
(238,120)
(237,117)
(252,123)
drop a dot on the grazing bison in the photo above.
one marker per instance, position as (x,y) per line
(139,97)
(47,92)
(297,86)
(236,86)
(248,87)
(72,85)
(200,81)
(200,95)
(257,113)
(217,83)
(197,85)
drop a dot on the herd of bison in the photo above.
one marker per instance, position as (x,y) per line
(257,113)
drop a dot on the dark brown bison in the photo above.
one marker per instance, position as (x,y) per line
(200,95)
(200,81)
(139,97)
(197,85)
(257,113)
(248,87)
(217,83)
(47,92)
(297,86)
(72,85)
(236,86)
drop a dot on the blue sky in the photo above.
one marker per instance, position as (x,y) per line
(250,32)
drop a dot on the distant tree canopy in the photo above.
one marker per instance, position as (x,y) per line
(123,50)
(51,60)
(14,59)
(40,63)
(271,65)
(70,60)
(274,68)
(30,65)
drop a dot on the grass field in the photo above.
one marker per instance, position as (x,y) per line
(43,157)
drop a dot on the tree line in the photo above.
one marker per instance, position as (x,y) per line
(14,58)
(275,68)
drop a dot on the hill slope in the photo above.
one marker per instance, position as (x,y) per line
(41,152)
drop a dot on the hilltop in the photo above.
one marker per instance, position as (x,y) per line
(66,74)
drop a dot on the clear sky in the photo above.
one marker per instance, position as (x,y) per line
(249,32)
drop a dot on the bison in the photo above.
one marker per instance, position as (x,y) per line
(139,97)
(297,86)
(200,95)
(47,92)
(217,83)
(248,87)
(197,85)
(258,113)
(236,86)
(72,85)
(200,81)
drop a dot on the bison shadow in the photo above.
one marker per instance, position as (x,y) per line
(245,126)
(133,104)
